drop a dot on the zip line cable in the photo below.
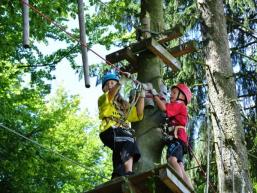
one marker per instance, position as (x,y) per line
(62,28)
(50,150)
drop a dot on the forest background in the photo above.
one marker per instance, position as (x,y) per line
(51,144)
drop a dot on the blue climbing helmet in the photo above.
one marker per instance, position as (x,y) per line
(109,76)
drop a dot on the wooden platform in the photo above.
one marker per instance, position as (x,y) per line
(161,179)
(168,56)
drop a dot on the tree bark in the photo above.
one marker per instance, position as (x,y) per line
(148,132)
(231,152)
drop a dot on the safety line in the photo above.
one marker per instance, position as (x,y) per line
(202,170)
(48,149)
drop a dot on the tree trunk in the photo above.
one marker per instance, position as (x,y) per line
(148,133)
(231,152)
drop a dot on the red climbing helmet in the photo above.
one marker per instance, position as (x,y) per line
(185,90)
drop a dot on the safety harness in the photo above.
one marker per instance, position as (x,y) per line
(121,122)
(166,129)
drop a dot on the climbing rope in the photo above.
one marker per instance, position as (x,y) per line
(220,147)
(201,168)
(208,148)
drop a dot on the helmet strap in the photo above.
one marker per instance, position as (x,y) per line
(179,99)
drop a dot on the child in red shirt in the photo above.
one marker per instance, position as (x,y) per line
(176,111)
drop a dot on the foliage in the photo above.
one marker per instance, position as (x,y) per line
(32,59)
(59,126)
(58,123)
(241,27)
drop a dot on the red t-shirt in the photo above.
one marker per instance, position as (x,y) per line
(177,114)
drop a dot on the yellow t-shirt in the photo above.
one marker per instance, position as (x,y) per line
(107,109)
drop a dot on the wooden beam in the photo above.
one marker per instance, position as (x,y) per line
(166,180)
(128,187)
(163,54)
(171,34)
(180,50)
(123,54)
(173,181)
(109,187)
(130,56)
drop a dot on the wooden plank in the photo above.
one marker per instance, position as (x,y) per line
(162,53)
(163,177)
(128,187)
(128,53)
(143,182)
(180,50)
(139,47)
(171,34)
(109,187)
(130,56)
(173,181)
(123,54)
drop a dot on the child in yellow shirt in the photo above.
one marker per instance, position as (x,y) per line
(116,115)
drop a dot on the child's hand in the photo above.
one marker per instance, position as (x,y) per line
(142,93)
(126,74)
(147,86)
(154,92)
(124,77)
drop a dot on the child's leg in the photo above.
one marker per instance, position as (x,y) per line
(128,165)
(185,177)
(174,163)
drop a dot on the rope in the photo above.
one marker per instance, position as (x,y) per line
(253,156)
(221,129)
(208,149)
(202,170)
(62,28)
(50,150)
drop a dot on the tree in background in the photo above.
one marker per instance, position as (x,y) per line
(58,126)
(113,23)
(229,137)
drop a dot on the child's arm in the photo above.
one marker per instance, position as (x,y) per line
(160,104)
(141,103)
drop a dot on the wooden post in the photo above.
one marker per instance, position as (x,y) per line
(83,42)
(145,29)
(25,16)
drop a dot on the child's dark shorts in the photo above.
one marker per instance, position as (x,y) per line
(175,149)
(123,144)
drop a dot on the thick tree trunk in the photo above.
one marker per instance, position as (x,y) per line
(148,133)
(231,153)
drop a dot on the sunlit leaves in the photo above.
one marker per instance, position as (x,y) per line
(60,127)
